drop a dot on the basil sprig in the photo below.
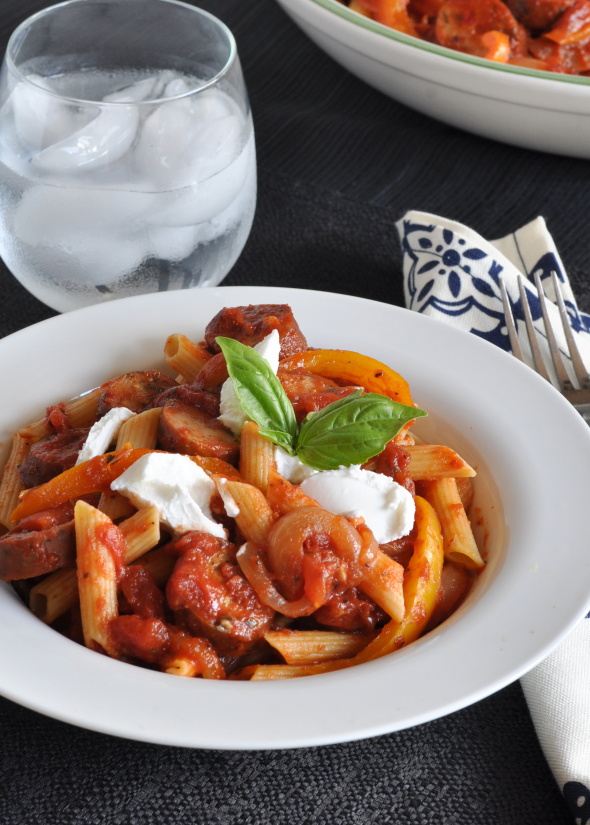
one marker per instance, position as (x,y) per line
(349,431)
(260,393)
(352,430)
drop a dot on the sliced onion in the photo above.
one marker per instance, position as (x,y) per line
(255,571)
(288,535)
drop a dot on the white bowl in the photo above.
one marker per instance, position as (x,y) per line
(532,453)
(537,110)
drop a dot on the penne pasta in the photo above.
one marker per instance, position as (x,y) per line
(141,430)
(465,489)
(56,594)
(306,647)
(256,456)
(115,506)
(181,667)
(459,544)
(185,357)
(81,412)
(96,537)
(141,532)
(272,673)
(256,517)
(158,564)
(431,461)
(250,569)
(284,496)
(384,583)
(421,586)
(11,485)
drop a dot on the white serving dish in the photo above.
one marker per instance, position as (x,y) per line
(532,453)
(537,110)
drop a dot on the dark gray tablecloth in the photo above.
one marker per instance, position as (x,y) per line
(338,164)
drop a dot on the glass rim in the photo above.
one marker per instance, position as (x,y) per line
(233,51)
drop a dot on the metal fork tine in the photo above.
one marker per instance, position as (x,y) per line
(579,368)
(532,335)
(562,376)
(516,351)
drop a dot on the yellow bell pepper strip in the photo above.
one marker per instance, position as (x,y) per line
(352,368)
(421,586)
(94,476)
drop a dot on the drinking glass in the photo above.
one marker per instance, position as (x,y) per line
(127,159)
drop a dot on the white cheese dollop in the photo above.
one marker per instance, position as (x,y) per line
(179,488)
(387,507)
(103,433)
(232,414)
(291,467)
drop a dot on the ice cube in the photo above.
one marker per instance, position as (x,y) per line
(216,146)
(172,243)
(186,140)
(100,231)
(162,80)
(57,215)
(164,139)
(176,87)
(102,141)
(211,105)
(142,90)
(234,214)
(41,119)
(102,259)
(200,202)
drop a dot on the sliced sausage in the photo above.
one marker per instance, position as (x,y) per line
(187,430)
(215,599)
(51,456)
(310,393)
(134,390)
(316,401)
(424,8)
(141,638)
(253,323)
(302,382)
(208,402)
(39,544)
(350,610)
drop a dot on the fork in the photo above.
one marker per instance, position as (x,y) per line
(579,397)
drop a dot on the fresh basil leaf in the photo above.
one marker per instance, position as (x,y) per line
(352,430)
(260,393)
